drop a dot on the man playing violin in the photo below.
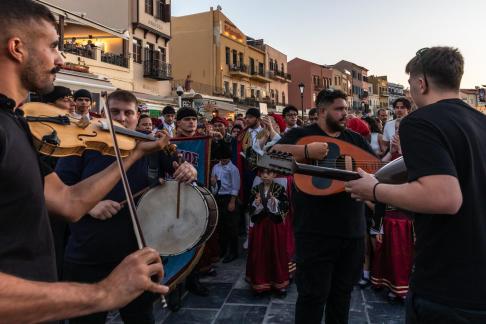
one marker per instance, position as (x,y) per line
(99,241)
(29,60)
(329,230)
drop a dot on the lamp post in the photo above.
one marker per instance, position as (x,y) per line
(301,88)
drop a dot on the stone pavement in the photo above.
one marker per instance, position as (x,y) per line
(231,301)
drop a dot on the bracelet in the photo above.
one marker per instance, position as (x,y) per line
(306,152)
(374,192)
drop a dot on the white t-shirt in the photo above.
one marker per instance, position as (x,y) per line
(389,130)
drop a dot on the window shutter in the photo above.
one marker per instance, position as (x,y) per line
(167,13)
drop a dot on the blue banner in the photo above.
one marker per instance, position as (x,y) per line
(196,150)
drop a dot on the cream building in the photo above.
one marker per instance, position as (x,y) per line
(114,44)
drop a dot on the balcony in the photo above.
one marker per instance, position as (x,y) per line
(384,94)
(80,50)
(115,59)
(157,70)
(259,76)
(239,70)
(279,75)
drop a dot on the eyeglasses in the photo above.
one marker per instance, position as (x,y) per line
(420,54)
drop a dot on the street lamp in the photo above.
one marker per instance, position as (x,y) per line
(301,88)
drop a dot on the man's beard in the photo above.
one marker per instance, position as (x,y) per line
(35,78)
(334,125)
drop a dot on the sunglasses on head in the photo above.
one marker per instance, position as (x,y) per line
(420,54)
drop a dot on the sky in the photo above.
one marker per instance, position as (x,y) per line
(381,35)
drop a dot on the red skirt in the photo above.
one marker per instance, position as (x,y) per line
(211,253)
(393,259)
(267,266)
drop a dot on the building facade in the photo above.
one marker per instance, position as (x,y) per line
(276,65)
(380,88)
(123,42)
(360,88)
(315,78)
(395,91)
(212,56)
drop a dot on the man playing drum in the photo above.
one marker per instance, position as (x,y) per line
(105,236)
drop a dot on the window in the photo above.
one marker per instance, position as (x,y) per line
(336,80)
(283,98)
(258,94)
(354,74)
(137,50)
(241,59)
(283,70)
(235,57)
(272,93)
(235,89)
(252,93)
(276,97)
(271,64)
(227,55)
(242,91)
(252,66)
(163,10)
(149,7)
(275,66)
(163,54)
(226,88)
(261,69)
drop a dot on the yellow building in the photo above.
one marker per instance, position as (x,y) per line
(114,44)
(278,89)
(380,87)
(213,57)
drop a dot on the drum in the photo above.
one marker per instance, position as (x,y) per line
(172,235)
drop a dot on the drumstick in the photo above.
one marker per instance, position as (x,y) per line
(141,192)
(180,160)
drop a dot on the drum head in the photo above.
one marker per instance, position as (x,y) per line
(157,214)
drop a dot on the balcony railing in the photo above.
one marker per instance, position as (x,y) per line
(84,51)
(239,68)
(157,70)
(115,59)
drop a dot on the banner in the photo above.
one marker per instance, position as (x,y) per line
(197,151)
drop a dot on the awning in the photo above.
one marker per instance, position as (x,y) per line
(154,102)
(87,22)
(78,80)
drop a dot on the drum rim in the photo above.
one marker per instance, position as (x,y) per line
(197,189)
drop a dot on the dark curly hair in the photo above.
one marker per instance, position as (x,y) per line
(327,97)
(404,101)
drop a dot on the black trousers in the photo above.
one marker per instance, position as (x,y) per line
(327,270)
(228,225)
(423,311)
(139,311)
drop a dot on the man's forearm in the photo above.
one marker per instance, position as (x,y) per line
(297,151)
(83,196)
(415,197)
(23,301)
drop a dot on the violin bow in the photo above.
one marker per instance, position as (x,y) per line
(126,186)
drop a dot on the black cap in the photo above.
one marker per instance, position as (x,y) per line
(185,112)
(58,93)
(223,151)
(253,112)
(82,93)
(168,110)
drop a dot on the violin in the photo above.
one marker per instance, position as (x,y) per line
(57,133)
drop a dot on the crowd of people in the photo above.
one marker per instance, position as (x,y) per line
(326,243)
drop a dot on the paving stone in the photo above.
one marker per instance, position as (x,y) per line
(386,312)
(279,313)
(189,316)
(217,295)
(241,314)
(246,296)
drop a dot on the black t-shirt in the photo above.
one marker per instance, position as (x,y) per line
(26,247)
(336,215)
(93,241)
(449,138)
